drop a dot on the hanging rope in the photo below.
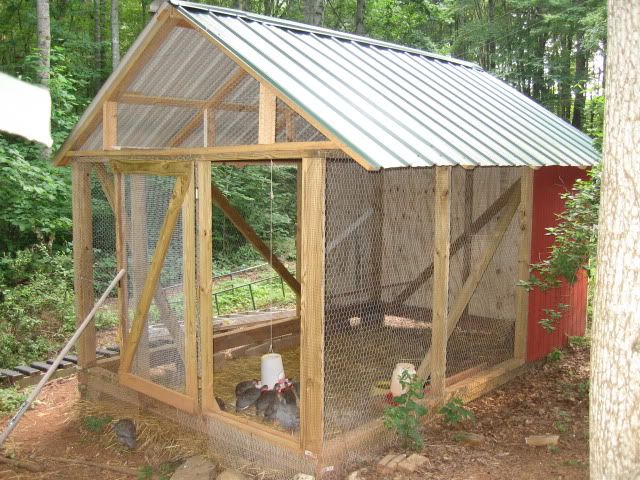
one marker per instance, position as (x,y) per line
(271,254)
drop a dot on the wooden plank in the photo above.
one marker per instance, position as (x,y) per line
(121,257)
(83,260)
(228,153)
(312,326)
(162,245)
(211,104)
(525,215)
(189,287)
(460,242)
(209,127)
(136,98)
(440,296)
(252,237)
(138,55)
(471,388)
(266,115)
(109,125)
(106,183)
(298,231)
(254,333)
(160,393)
(151,167)
(205,284)
(466,292)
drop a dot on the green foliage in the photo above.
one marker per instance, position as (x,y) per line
(404,417)
(552,317)
(36,304)
(11,398)
(555,356)
(453,412)
(563,423)
(145,473)
(96,424)
(579,342)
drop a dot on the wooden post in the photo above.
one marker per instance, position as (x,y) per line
(312,327)
(189,287)
(267,115)
(209,126)
(468,222)
(298,233)
(121,255)
(83,260)
(205,284)
(440,298)
(109,125)
(524,259)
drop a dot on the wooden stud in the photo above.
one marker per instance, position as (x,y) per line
(298,232)
(312,325)
(525,214)
(109,125)
(83,260)
(205,285)
(466,292)
(162,245)
(163,394)
(151,167)
(440,296)
(252,237)
(211,104)
(267,115)
(209,127)
(279,151)
(121,256)
(255,333)
(189,287)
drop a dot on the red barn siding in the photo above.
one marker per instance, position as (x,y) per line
(548,184)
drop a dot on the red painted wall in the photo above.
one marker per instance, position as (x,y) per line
(548,184)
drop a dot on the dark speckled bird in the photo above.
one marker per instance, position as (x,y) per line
(125,431)
(265,400)
(247,398)
(246,385)
(285,414)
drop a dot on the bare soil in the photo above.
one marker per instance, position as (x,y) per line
(551,398)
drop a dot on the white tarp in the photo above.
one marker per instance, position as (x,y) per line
(25,110)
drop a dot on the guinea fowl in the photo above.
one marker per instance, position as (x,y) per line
(282,413)
(265,400)
(125,431)
(247,397)
(246,385)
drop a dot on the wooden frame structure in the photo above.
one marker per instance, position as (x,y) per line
(194,197)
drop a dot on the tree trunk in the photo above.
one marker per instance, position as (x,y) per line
(44,41)
(359,21)
(97,38)
(614,435)
(313,12)
(241,5)
(580,83)
(115,35)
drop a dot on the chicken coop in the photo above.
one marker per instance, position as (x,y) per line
(411,180)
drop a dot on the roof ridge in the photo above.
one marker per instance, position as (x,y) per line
(290,24)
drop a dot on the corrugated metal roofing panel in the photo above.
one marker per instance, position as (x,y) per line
(396,106)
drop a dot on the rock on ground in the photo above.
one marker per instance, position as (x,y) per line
(195,468)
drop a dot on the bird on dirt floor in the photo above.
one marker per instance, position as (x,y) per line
(246,385)
(125,431)
(247,398)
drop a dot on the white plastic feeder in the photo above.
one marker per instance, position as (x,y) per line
(272,369)
(396,388)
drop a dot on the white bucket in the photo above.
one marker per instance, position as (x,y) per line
(396,388)
(272,369)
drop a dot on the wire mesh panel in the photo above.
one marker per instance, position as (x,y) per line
(378,252)
(160,354)
(483,203)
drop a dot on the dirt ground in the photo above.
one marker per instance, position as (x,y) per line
(549,399)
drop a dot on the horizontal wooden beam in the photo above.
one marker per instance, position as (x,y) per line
(277,151)
(247,335)
(135,98)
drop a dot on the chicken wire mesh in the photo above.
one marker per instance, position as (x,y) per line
(379,238)
(160,353)
(480,200)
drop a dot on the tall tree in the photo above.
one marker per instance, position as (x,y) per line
(615,390)
(44,41)
(313,12)
(359,19)
(97,38)
(115,35)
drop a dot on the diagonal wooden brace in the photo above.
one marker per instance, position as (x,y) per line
(476,274)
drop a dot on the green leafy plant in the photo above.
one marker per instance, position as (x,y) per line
(11,398)
(404,416)
(555,356)
(563,422)
(145,473)
(552,317)
(579,342)
(96,424)
(453,412)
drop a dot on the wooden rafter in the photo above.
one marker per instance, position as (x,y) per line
(162,245)
(216,99)
(252,237)
(476,274)
(134,98)
(278,151)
